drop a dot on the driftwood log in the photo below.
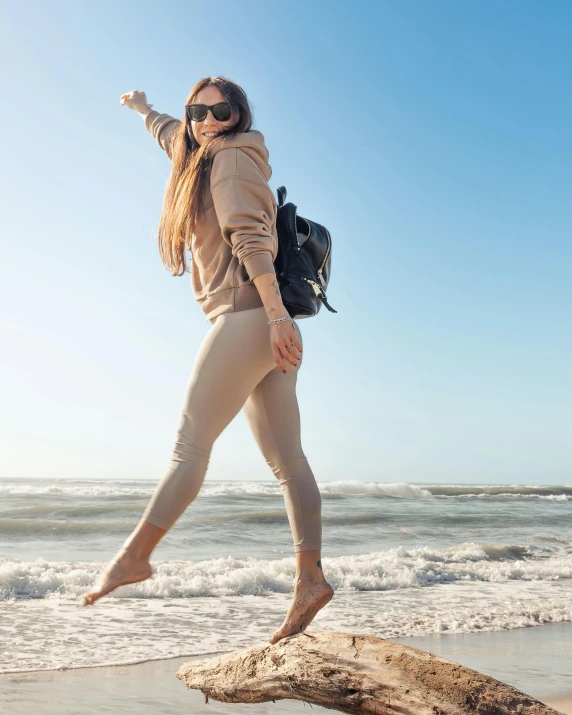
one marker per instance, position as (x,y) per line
(355,674)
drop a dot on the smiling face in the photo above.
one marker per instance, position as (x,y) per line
(209,126)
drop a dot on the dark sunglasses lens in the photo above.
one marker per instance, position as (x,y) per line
(197,112)
(221,112)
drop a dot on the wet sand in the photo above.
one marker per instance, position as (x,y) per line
(536,660)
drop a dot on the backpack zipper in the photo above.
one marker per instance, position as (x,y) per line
(320,276)
(317,290)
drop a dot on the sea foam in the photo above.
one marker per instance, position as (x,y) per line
(398,568)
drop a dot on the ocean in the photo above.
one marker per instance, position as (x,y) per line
(405,560)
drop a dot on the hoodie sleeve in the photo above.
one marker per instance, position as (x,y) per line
(245,210)
(162,127)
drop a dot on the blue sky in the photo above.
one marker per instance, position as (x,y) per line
(432,138)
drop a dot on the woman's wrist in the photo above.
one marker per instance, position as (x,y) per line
(277,312)
(280,320)
(144,111)
(267,285)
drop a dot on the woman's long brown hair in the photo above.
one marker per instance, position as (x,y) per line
(184,194)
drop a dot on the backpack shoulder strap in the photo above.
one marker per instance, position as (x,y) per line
(281,191)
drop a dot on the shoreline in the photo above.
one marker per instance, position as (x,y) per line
(102,666)
(535,660)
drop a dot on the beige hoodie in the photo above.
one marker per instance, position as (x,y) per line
(236,238)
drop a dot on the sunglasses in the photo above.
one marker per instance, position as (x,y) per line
(220,111)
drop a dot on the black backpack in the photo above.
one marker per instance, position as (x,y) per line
(303,261)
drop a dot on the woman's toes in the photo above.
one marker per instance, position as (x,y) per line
(90,598)
(279,634)
(285,631)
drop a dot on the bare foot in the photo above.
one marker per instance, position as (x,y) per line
(309,598)
(123,570)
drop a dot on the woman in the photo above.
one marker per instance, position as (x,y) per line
(218,195)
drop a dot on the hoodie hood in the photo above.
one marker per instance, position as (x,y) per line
(251,143)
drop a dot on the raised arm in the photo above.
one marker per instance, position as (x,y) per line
(160,126)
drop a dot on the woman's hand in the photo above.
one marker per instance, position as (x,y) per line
(282,335)
(135,100)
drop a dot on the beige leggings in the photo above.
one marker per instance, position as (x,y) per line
(235,369)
